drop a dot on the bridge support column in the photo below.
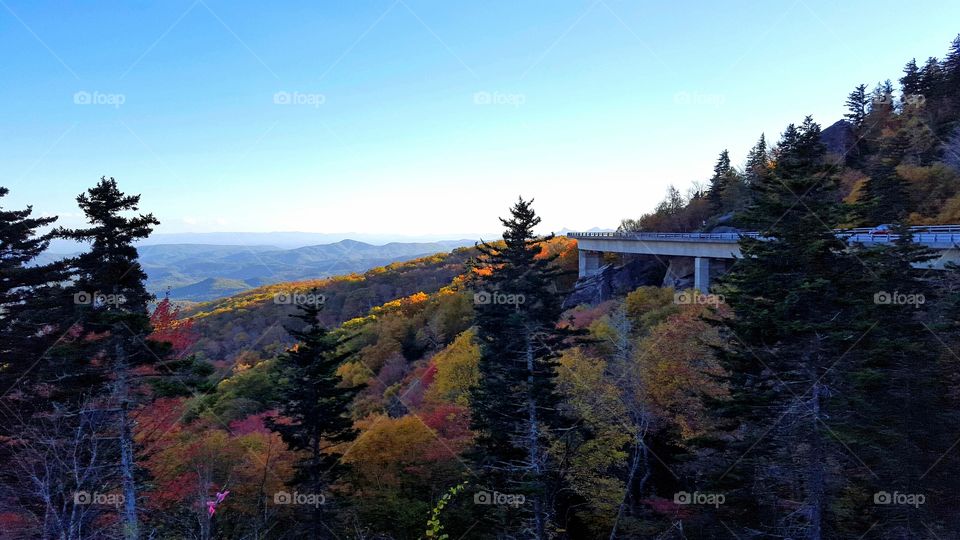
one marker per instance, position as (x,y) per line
(701,274)
(589,262)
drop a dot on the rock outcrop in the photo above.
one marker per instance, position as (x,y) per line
(840,138)
(679,274)
(611,281)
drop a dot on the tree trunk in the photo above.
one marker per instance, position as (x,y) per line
(816,474)
(315,474)
(533,447)
(129,517)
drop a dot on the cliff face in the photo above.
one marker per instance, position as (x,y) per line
(611,281)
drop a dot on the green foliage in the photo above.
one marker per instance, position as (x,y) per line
(30,301)
(434,526)
(313,404)
(647,306)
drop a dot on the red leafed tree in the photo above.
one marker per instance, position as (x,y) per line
(169,327)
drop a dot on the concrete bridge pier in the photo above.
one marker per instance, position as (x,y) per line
(701,274)
(589,262)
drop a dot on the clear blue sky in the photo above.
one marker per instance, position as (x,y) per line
(417,116)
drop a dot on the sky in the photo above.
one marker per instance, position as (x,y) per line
(414,117)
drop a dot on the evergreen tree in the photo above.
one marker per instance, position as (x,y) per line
(881,99)
(796,298)
(515,404)
(884,199)
(33,305)
(857,106)
(112,308)
(910,81)
(951,67)
(931,79)
(901,435)
(758,161)
(880,121)
(314,407)
(951,89)
(34,315)
(721,172)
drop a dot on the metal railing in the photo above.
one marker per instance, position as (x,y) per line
(732,236)
(939,235)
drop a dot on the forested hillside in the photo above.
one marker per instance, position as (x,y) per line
(813,393)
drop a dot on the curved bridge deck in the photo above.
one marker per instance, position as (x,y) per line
(726,245)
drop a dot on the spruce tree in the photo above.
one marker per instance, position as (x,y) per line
(795,296)
(898,391)
(910,82)
(314,407)
(951,68)
(719,181)
(857,105)
(884,198)
(515,406)
(758,161)
(931,79)
(112,304)
(34,311)
(34,315)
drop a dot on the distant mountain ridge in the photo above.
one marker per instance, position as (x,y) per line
(276,240)
(201,272)
(209,289)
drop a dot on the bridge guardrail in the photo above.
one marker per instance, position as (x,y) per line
(931,235)
(662,236)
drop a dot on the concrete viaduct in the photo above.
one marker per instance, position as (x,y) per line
(704,247)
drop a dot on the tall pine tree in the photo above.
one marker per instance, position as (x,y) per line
(515,411)
(314,408)
(797,313)
(34,308)
(112,304)
(723,179)
(910,82)
(35,314)
(898,392)
(857,106)
(758,162)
